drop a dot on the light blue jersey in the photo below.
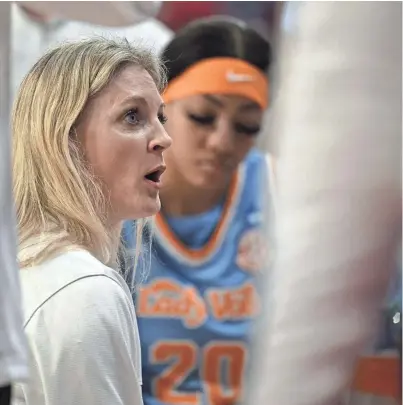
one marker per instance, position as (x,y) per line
(196,306)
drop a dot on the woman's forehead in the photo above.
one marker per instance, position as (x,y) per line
(131,83)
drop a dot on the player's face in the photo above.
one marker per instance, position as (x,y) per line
(123,136)
(212,134)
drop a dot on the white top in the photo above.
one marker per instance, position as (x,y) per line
(338,119)
(82,333)
(151,33)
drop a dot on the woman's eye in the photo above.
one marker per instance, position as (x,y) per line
(202,119)
(162,118)
(132,117)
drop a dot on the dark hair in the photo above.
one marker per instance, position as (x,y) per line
(215,37)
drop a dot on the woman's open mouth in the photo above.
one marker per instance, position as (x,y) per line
(153,177)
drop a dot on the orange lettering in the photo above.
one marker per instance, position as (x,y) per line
(165,299)
(241,303)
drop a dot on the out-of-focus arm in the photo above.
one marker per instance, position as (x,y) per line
(339,199)
(107,13)
(13,351)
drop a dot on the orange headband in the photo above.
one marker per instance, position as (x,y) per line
(220,76)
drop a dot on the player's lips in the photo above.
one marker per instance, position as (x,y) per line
(153,177)
(212,166)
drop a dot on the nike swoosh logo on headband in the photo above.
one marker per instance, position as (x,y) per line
(237,78)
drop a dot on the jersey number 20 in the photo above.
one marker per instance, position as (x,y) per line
(222,384)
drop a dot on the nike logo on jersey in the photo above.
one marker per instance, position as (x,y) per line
(238,77)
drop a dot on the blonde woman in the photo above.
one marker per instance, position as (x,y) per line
(88,143)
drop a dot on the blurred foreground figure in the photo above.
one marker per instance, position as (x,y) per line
(13,359)
(338,118)
(13,356)
(37,27)
(107,13)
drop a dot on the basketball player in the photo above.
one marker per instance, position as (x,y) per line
(197,303)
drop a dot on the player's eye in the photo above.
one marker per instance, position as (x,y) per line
(247,130)
(202,119)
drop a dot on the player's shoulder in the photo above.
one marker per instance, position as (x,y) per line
(255,157)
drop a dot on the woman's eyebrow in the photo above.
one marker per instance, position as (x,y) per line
(133,99)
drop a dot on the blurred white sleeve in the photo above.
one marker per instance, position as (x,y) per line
(13,362)
(339,204)
(108,13)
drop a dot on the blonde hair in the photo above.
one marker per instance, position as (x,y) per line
(59,203)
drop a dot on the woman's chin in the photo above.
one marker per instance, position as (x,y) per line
(150,207)
(146,208)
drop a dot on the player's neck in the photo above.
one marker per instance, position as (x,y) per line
(180,199)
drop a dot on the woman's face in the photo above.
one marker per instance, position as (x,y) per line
(212,134)
(122,133)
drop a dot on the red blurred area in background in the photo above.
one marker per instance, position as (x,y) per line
(263,15)
(176,14)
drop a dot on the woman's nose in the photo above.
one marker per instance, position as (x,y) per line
(161,140)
